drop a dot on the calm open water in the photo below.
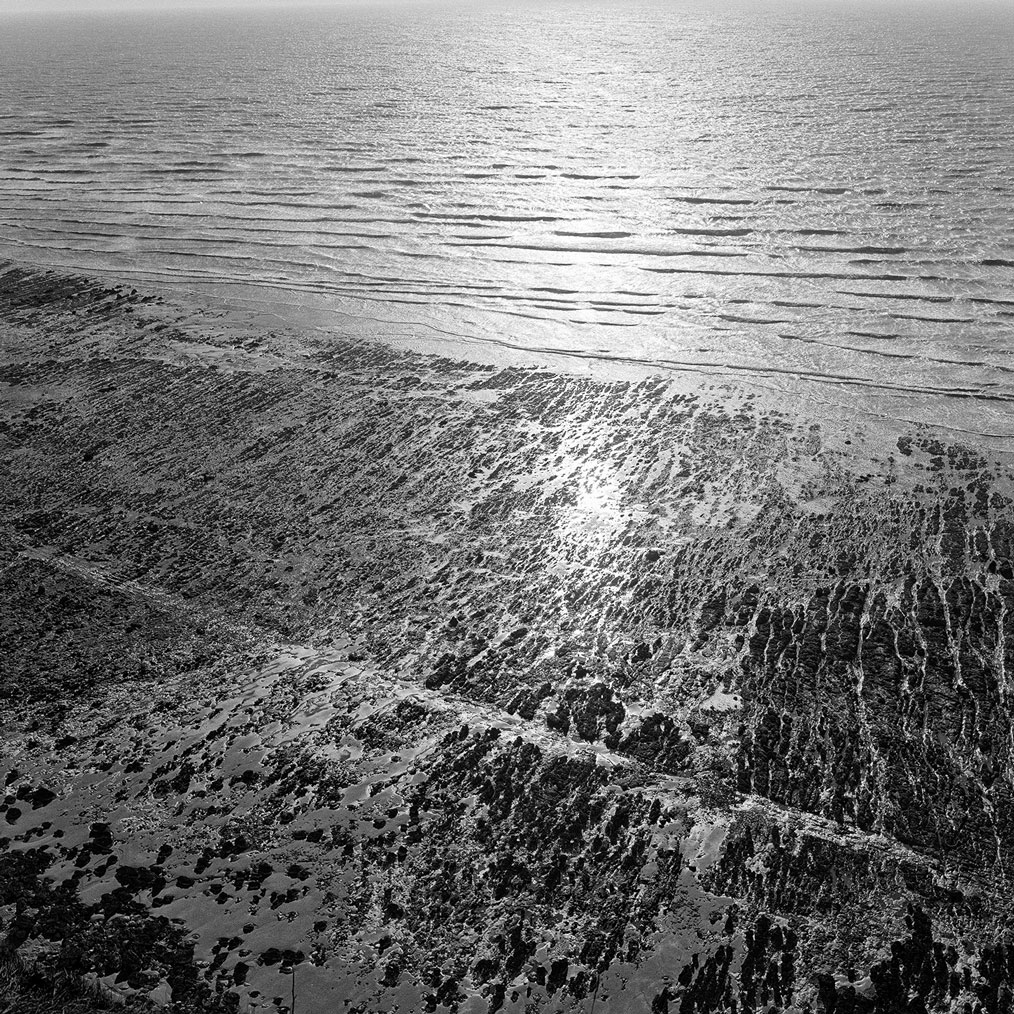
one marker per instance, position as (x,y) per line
(815,197)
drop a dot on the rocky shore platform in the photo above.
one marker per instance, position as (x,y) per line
(336,677)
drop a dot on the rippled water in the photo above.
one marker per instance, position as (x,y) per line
(816,194)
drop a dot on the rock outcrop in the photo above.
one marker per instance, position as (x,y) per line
(339,676)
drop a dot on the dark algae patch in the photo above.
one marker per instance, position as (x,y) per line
(342,676)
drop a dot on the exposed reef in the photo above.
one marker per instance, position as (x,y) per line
(338,675)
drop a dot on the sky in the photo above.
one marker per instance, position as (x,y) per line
(19,6)
(36,7)
(31,6)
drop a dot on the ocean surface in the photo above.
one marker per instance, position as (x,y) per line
(819,199)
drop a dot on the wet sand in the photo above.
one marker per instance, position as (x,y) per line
(401,682)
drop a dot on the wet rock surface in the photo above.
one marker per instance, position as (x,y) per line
(344,677)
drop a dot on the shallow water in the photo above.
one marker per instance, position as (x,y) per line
(818,201)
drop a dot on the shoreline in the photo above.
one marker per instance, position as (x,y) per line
(743,662)
(862,405)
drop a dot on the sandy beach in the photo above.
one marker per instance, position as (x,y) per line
(343,677)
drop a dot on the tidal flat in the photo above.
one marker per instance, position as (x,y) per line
(341,677)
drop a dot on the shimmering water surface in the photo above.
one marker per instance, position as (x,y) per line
(819,198)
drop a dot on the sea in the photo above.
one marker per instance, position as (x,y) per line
(815,198)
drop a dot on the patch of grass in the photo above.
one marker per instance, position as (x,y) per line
(27,988)
(72,944)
